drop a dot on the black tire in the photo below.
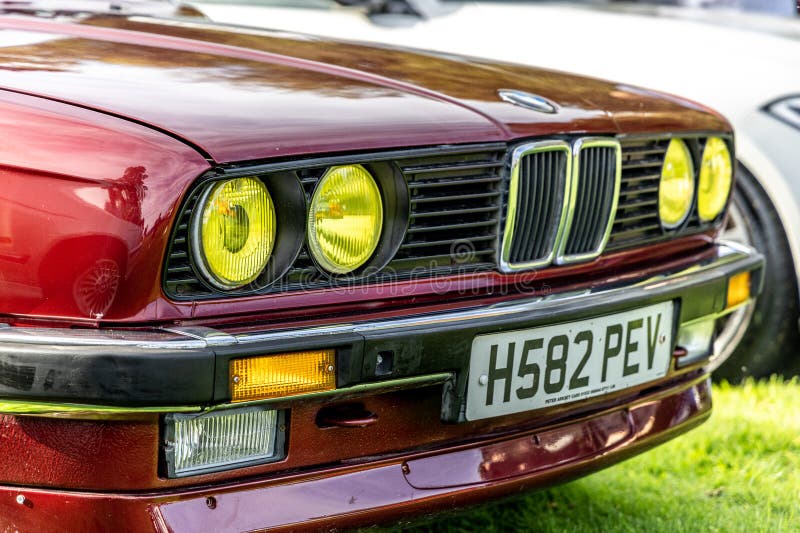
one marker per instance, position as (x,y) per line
(771,340)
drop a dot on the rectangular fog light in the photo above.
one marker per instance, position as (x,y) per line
(222,440)
(289,374)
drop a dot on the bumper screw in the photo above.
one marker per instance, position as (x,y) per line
(211,502)
(21,499)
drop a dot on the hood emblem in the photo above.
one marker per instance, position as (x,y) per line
(528,100)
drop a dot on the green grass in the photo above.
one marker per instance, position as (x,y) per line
(740,471)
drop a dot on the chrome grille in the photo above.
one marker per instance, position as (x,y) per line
(539,174)
(595,187)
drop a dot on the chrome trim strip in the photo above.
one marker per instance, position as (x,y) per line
(88,411)
(211,337)
(142,339)
(577,147)
(517,155)
(375,387)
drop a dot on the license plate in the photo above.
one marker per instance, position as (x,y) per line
(529,369)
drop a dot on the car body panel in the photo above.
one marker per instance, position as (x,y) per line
(277,88)
(103,220)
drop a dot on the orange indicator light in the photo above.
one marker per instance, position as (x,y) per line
(738,289)
(289,374)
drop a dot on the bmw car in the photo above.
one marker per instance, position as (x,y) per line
(252,280)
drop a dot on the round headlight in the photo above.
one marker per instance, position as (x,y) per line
(236,231)
(676,189)
(345,219)
(716,173)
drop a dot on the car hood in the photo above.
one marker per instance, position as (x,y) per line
(248,95)
(733,62)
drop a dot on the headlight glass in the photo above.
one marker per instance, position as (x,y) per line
(345,219)
(676,188)
(716,173)
(237,231)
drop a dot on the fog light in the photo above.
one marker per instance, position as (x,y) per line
(222,440)
(738,289)
(274,376)
(697,339)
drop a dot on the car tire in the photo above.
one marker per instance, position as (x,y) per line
(763,337)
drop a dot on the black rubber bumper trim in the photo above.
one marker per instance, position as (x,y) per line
(108,375)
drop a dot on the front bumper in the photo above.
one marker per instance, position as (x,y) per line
(421,455)
(379,490)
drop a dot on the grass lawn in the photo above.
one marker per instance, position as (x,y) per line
(740,471)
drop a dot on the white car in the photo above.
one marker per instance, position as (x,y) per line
(746,66)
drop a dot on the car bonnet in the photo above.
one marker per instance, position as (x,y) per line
(239,94)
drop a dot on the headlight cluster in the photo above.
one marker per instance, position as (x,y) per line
(676,193)
(237,225)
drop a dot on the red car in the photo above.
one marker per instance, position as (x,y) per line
(253,280)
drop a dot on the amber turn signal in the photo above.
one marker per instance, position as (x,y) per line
(289,374)
(738,289)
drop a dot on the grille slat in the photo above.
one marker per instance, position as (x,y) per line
(530,189)
(422,244)
(588,189)
(432,169)
(458,226)
(452,212)
(621,221)
(413,186)
(453,198)
(631,191)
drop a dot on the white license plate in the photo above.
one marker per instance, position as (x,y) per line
(528,369)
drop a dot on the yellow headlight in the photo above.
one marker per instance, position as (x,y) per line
(237,231)
(716,173)
(676,189)
(345,219)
